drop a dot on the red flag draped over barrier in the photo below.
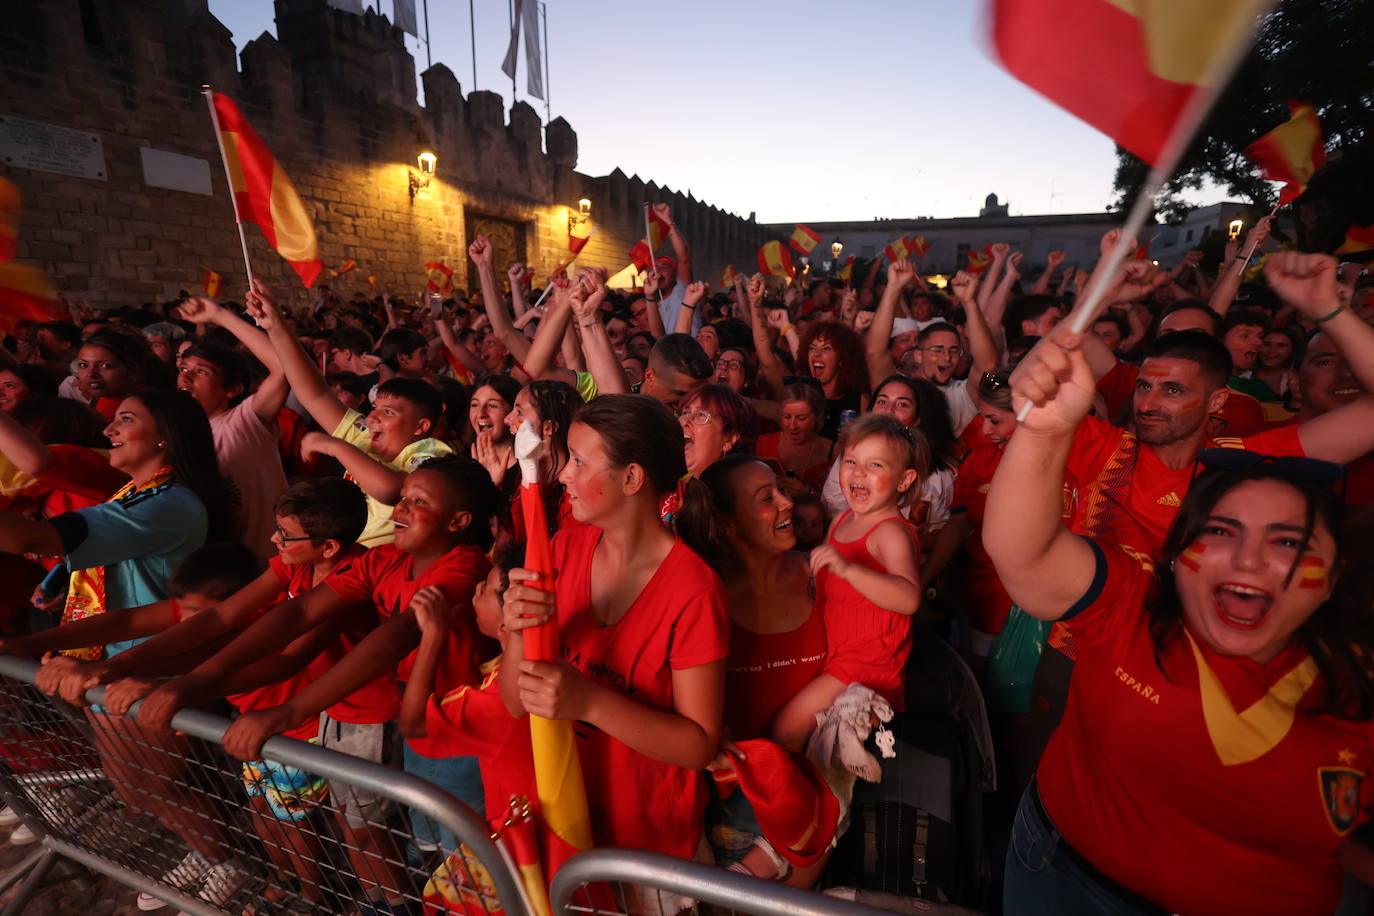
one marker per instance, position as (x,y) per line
(264,195)
(1292,152)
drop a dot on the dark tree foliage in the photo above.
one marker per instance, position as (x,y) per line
(1317,51)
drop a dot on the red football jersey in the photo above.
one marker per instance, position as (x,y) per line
(1205,790)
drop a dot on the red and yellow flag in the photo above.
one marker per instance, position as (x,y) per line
(211,283)
(978,261)
(846,273)
(917,246)
(9,220)
(727,279)
(776,261)
(1292,152)
(264,195)
(803,239)
(896,251)
(372,281)
(1357,239)
(439,277)
(641,257)
(1127,67)
(1142,251)
(26,294)
(557,767)
(343,268)
(579,234)
(658,230)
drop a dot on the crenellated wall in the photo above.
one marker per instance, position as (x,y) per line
(333,95)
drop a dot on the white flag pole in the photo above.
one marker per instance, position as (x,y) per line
(209,94)
(1251,253)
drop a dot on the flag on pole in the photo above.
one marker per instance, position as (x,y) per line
(978,261)
(1357,239)
(557,767)
(776,261)
(658,229)
(727,279)
(641,257)
(439,277)
(846,273)
(1292,152)
(1129,69)
(803,239)
(343,268)
(896,251)
(917,246)
(26,294)
(526,17)
(404,16)
(1142,251)
(263,194)
(579,234)
(211,282)
(9,220)
(372,282)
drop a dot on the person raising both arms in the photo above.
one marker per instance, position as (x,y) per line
(1235,655)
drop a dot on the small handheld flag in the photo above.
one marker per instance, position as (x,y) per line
(1292,152)
(776,261)
(439,277)
(803,240)
(211,282)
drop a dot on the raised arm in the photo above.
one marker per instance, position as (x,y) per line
(680,249)
(459,351)
(305,380)
(1044,566)
(991,277)
(516,274)
(548,339)
(653,296)
(690,301)
(1052,263)
(879,334)
(982,342)
(380,482)
(769,364)
(494,303)
(24,450)
(585,303)
(1233,271)
(271,394)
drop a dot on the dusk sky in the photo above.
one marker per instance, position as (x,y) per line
(797,111)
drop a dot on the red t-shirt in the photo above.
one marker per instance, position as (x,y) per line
(765,670)
(383,576)
(1127,495)
(565,519)
(677,622)
(1160,783)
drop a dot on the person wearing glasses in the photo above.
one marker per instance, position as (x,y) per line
(715,422)
(1214,749)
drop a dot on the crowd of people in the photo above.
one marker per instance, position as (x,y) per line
(758,498)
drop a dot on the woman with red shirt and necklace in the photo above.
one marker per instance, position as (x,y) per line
(1214,749)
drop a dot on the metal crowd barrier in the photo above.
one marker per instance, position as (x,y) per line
(104,794)
(602,882)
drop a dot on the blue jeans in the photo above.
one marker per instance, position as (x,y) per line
(459,775)
(1042,880)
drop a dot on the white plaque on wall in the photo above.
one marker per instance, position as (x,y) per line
(49,148)
(162,169)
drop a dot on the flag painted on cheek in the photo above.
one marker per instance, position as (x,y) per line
(1311,572)
(1192,556)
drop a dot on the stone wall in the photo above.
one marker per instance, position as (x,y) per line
(333,95)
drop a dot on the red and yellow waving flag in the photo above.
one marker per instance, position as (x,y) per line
(26,294)
(263,194)
(580,233)
(978,261)
(1292,152)
(343,268)
(557,768)
(658,230)
(846,273)
(439,277)
(776,261)
(727,279)
(9,220)
(917,246)
(896,251)
(211,282)
(372,281)
(803,239)
(1357,239)
(1127,67)
(641,257)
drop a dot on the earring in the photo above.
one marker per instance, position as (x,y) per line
(162,445)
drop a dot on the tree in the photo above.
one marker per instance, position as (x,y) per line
(1315,51)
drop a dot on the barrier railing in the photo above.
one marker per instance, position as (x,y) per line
(312,831)
(608,881)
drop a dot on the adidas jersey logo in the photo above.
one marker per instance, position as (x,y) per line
(1169,499)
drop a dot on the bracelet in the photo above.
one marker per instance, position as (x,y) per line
(588,324)
(1325,318)
(686,306)
(783,331)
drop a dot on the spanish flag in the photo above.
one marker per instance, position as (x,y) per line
(211,282)
(803,239)
(978,261)
(1311,572)
(1127,67)
(846,273)
(439,277)
(343,268)
(917,246)
(372,281)
(580,233)
(1292,152)
(263,194)
(896,251)
(727,279)
(776,261)
(9,220)
(26,294)
(658,229)
(557,767)
(1357,239)
(641,257)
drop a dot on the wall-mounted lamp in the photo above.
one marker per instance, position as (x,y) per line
(584,211)
(427,162)
(1233,230)
(835,248)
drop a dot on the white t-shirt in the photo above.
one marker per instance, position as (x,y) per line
(668,306)
(248,455)
(962,410)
